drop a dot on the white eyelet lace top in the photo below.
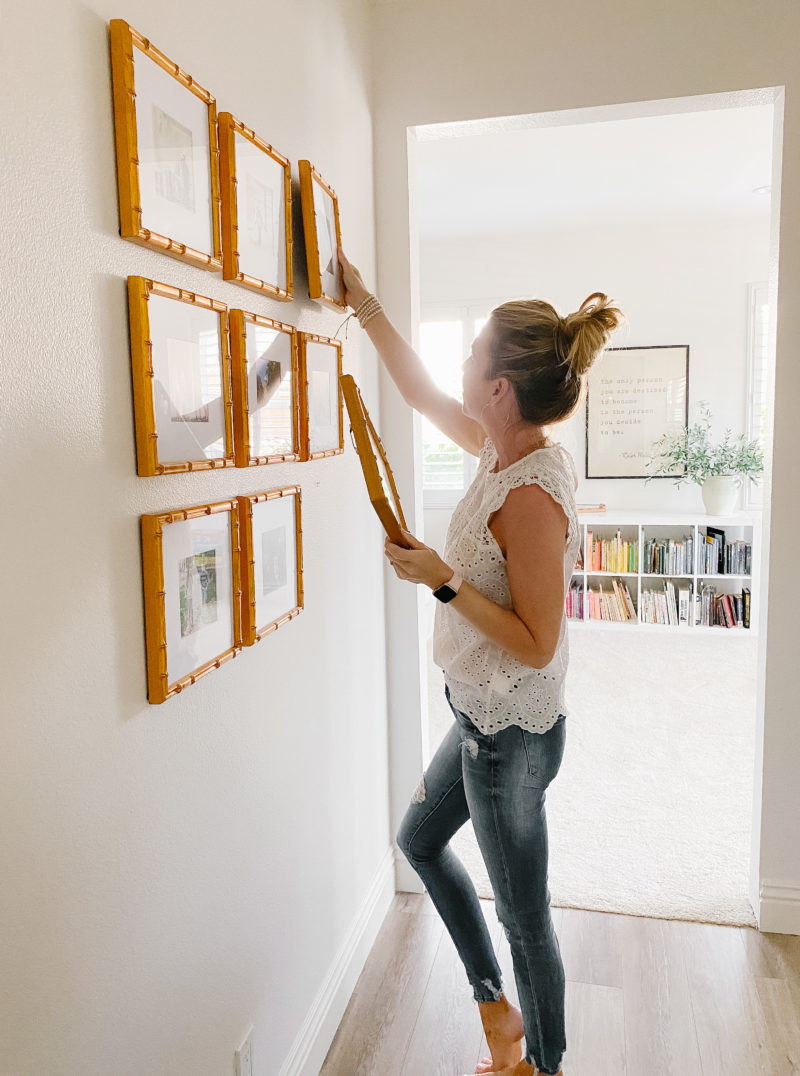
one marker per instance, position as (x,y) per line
(485,682)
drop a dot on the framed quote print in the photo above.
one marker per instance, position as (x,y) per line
(322,237)
(378,475)
(181,379)
(167,154)
(271,562)
(264,375)
(256,186)
(321,416)
(634,396)
(190,562)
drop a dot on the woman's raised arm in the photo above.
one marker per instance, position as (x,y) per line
(408,372)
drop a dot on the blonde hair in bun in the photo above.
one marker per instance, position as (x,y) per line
(545,356)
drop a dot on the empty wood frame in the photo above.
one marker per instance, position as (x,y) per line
(256,186)
(322,237)
(271,561)
(378,474)
(191,573)
(265,378)
(181,379)
(167,153)
(321,414)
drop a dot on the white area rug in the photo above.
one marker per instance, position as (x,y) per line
(650,813)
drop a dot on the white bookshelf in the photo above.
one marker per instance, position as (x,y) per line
(640,527)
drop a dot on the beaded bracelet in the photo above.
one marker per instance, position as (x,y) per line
(368,309)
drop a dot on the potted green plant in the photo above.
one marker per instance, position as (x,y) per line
(719,469)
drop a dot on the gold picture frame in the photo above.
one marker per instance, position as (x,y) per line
(382,490)
(321,411)
(250,218)
(272,571)
(164,175)
(192,594)
(171,394)
(322,234)
(254,376)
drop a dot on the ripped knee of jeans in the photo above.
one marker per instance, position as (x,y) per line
(419,791)
(471,745)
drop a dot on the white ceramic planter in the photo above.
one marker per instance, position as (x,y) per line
(720,493)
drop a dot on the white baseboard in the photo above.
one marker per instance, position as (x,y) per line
(779,908)
(319,1027)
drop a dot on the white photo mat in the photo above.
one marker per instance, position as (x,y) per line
(198,592)
(325,221)
(188,403)
(270,390)
(275,576)
(172,134)
(322,375)
(260,213)
(635,395)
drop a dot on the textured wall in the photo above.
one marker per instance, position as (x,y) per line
(170,874)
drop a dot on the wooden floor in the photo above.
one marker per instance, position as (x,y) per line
(645,997)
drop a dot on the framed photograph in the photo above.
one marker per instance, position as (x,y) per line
(264,374)
(321,415)
(181,379)
(256,211)
(634,396)
(167,154)
(322,236)
(190,561)
(272,561)
(377,473)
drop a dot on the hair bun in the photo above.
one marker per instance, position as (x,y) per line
(588,330)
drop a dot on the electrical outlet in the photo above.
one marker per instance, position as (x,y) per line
(244,1056)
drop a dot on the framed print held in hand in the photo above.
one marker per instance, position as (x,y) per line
(634,396)
(321,418)
(271,561)
(190,562)
(322,236)
(264,375)
(167,155)
(377,473)
(181,379)
(256,186)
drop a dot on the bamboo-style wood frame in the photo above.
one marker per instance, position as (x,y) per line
(305,428)
(131,226)
(241,404)
(308,177)
(229,127)
(251,632)
(158,687)
(139,291)
(366,442)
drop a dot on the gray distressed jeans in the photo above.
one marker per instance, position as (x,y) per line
(498,781)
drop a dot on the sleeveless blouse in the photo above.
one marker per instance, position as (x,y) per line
(485,682)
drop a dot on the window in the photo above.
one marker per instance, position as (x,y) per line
(446,335)
(758,357)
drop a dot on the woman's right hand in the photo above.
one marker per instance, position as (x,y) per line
(355,290)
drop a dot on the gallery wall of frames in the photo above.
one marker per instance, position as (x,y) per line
(217,385)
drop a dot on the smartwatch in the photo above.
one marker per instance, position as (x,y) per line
(447,591)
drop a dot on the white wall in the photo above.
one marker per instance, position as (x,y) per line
(676,283)
(171,874)
(530,58)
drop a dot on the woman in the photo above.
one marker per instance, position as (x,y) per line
(500,635)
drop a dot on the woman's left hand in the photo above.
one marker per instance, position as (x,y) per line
(419,564)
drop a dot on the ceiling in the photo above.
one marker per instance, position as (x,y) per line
(500,177)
